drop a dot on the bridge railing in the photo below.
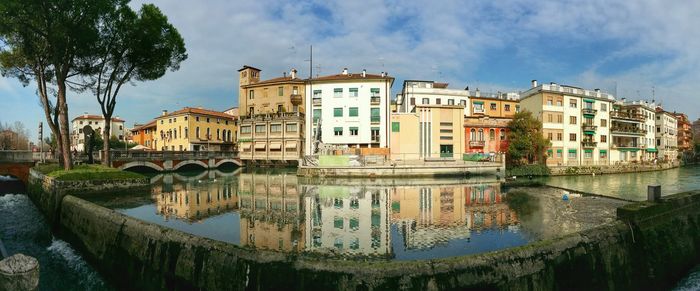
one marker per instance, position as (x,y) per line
(16,156)
(169,155)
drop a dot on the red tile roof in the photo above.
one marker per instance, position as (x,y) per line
(286,79)
(353,76)
(95,117)
(201,111)
(150,124)
(248,67)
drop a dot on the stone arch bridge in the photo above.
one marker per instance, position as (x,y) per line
(165,161)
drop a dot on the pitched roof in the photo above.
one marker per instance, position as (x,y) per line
(201,111)
(248,67)
(285,79)
(151,123)
(96,117)
(353,76)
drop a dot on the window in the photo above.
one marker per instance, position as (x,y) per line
(260,128)
(503,134)
(492,134)
(478,107)
(338,131)
(317,114)
(603,122)
(603,138)
(353,92)
(208,133)
(425,101)
(251,94)
(572,103)
(291,127)
(493,106)
(572,137)
(337,112)
(275,128)
(560,119)
(588,154)
(218,134)
(550,136)
(559,103)
(572,119)
(185,118)
(603,154)
(353,131)
(549,118)
(395,127)
(481,134)
(338,92)
(472,134)
(374,92)
(280,107)
(317,93)
(572,153)
(603,107)
(559,136)
(450,102)
(549,101)
(374,133)
(207,119)
(245,129)
(196,132)
(375,117)
(295,90)
(353,112)
(413,101)
(280,91)
(506,107)
(265,93)
(464,103)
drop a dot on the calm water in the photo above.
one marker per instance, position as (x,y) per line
(391,219)
(633,186)
(24,230)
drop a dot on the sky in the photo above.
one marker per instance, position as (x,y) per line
(644,49)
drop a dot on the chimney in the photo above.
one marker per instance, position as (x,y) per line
(383,74)
(345,71)
(597,90)
(293,73)
(284,74)
(478,93)
(165,112)
(534,83)
(364,73)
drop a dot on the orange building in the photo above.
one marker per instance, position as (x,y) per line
(143,134)
(685,132)
(486,127)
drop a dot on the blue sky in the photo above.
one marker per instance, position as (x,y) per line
(631,46)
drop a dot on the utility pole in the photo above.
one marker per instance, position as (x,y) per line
(41,142)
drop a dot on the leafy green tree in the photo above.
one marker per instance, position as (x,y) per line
(526,143)
(132,47)
(48,42)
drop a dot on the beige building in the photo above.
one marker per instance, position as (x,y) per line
(432,131)
(194,202)
(195,129)
(271,117)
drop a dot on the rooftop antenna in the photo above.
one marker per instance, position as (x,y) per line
(318,69)
(653,92)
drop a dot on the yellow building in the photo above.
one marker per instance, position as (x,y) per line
(194,202)
(195,129)
(494,105)
(271,117)
(433,131)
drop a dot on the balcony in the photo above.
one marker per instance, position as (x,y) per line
(589,144)
(589,111)
(295,99)
(628,130)
(627,116)
(316,101)
(375,119)
(374,100)
(589,128)
(477,143)
(627,146)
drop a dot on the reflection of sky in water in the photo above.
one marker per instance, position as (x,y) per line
(411,219)
(632,186)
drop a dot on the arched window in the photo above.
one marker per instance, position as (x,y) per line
(503,134)
(472,134)
(481,134)
(492,134)
(229,135)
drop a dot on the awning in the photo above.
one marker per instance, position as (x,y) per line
(478,102)
(651,150)
(588,151)
(291,144)
(603,151)
(260,146)
(589,132)
(572,151)
(275,145)
(588,100)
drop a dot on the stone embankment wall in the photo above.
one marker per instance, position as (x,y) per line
(648,248)
(612,169)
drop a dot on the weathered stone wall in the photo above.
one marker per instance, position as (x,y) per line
(612,169)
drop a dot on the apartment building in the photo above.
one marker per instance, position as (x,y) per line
(486,126)
(271,117)
(575,120)
(666,135)
(501,105)
(685,132)
(632,129)
(349,110)
(97,123)
(415,92)
(428,131)
(195,129)
(143,134)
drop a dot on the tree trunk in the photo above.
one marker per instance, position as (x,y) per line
(105,141)
(63,125)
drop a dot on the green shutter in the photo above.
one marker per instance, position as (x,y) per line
(353,128)
(603,151)
(589,100)
(337,112)
(478,102)
(588,150)
(572,151)
(559,151)
(374,90)
(395,126)
(353,112)
(317,114)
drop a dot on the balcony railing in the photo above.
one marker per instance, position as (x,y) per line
(316,101)
(271,116)
(589,111)
(375,119)
(588,144)
(589,127)
(627,146)
(295,99)
(477,143)
(627,116)
(374,100)
(628,130)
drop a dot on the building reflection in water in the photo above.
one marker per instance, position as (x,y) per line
(430,216)
(278,212)
(194,198)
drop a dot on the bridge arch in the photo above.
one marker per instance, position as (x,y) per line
(190,162)
(141,164)
(223,161)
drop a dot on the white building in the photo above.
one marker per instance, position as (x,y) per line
(575,120)
(96,122)
(666,135)
(430,93)
(632,130)
(351,109)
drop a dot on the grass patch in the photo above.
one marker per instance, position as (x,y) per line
(86,172)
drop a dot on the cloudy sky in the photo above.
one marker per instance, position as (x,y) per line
(628,47)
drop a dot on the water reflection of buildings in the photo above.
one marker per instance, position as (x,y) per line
(347,219)
(270,208)
(194,198)
(429,216)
